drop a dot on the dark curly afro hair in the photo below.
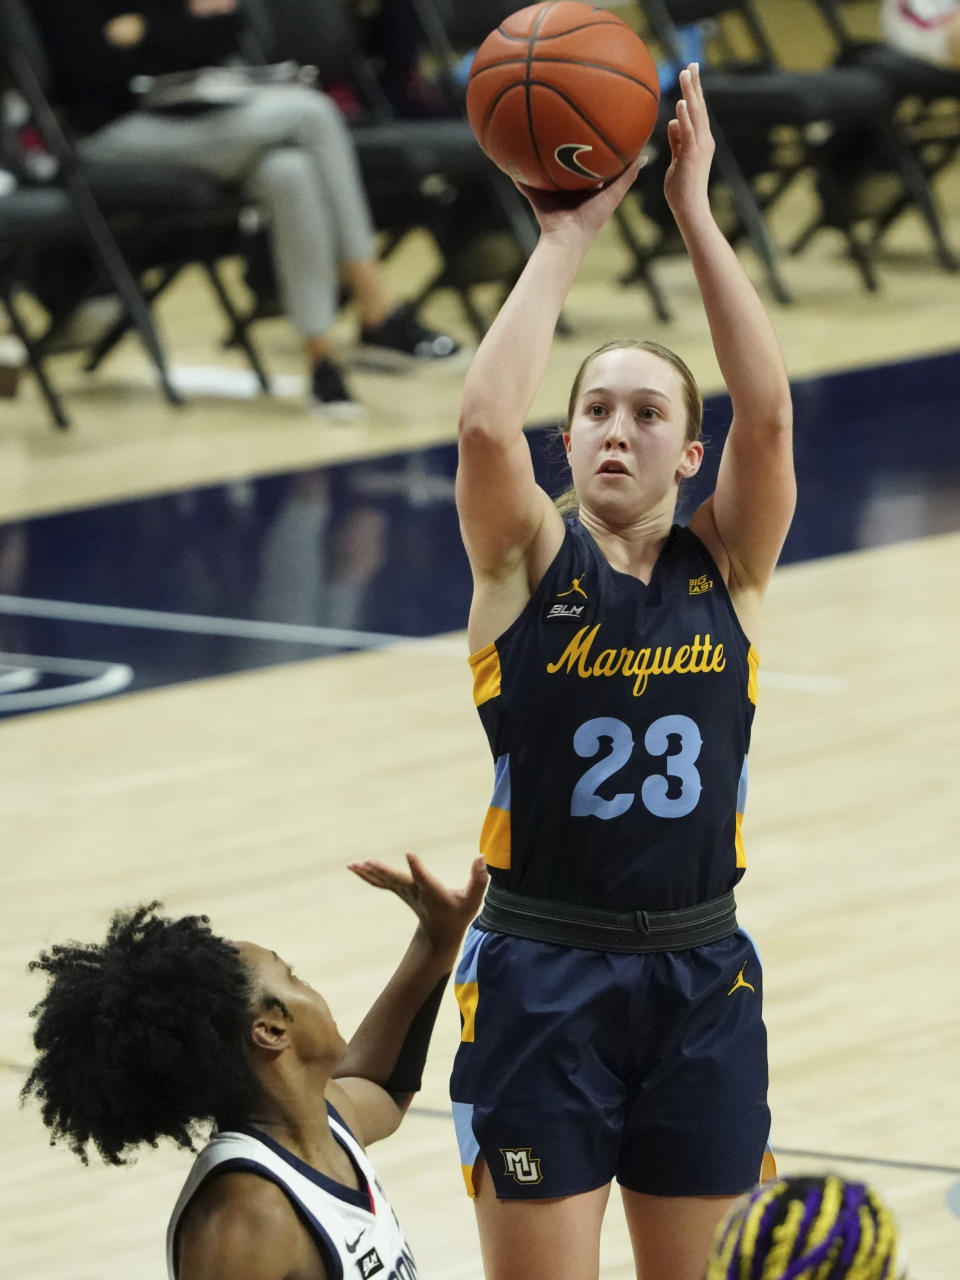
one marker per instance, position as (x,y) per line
(142,1036)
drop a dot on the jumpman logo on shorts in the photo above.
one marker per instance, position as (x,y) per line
(575,588)
(740,982)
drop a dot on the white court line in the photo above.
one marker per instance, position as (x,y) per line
(233,628)
(296,633)
(13,679)
(94,680)
(237,384)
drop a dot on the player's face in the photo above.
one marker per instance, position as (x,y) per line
(311,1027)
(627,442)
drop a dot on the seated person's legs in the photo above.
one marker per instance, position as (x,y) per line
(291,149)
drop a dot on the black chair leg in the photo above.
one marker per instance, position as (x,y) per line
(35,362)
(860,255)
(391,241)
(646,277)
(899,206)
(517,213)
(470,309)
(95,226)
(239,332)
(885,221)
(803,239)
(126,286)
(123,324)
(749,213)
(915,181)
(641,267)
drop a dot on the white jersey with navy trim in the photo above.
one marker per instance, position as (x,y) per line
(356,1232)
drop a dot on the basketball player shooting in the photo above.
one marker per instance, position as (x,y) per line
(611,1003)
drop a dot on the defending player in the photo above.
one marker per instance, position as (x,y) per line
(165,1027)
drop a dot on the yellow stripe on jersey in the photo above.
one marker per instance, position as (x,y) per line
(753,666)
(485,664)
(469,1172)
(495,838)
(738,842)
(467,994)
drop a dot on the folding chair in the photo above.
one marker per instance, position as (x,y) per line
(927,105)
(418,173)
(133,220)
(754,102)
(30,220)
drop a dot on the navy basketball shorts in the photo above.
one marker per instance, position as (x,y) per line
(576,1067)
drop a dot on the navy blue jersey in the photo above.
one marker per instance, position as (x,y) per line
(619,716)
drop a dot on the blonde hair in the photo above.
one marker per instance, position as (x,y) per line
(568,502)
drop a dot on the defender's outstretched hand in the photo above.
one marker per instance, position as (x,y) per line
(691,149)
(443,913)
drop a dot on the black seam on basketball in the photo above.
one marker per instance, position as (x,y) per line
(485,125)
(570,62)
(586,120)
(567,31)
(526,91)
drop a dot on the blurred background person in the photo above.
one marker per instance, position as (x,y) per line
(928,29)
(287,146)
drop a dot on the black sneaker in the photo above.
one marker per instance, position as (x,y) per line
(329,395)
(402,342)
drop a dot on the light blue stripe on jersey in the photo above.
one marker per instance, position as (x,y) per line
(463,1123)
(467,968)
(742,789)
(501,784)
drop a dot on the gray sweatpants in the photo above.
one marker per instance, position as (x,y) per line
(290,149)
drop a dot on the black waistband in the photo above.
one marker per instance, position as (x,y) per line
(596,929)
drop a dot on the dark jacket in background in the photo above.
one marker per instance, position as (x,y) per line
(91,77)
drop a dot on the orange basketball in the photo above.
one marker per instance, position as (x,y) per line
(563,95)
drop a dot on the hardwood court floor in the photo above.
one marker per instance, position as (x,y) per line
(245,796)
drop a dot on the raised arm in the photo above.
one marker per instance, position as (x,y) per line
(509,525)
(380,1072)
(746,519)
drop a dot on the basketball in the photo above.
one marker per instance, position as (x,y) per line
(562,95)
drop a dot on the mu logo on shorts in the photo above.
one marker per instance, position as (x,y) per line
(519,1165)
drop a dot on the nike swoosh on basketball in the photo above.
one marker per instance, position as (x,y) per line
(352,1248)
(568,155)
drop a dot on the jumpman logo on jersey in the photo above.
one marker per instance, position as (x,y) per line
(740,982)
(574,587)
